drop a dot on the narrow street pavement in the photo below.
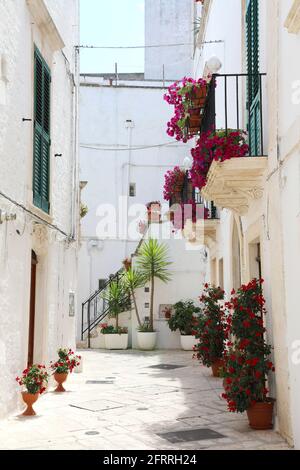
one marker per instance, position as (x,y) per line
(123,400)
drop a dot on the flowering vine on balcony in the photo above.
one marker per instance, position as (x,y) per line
(217,146)
(188,97)
(174,181)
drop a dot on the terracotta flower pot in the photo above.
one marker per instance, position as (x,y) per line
(216,366)
(199,96)
(260,415)
(29,399)
(60,379)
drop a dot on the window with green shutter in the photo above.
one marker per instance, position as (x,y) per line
(41,140)
(252,43)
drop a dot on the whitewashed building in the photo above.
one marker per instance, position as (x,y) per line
(39,186)
(124,148)
(258,234)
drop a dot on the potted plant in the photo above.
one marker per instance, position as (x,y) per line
(211,330)
(184,320)
(34,379)
(115,338)
(67,361)
(218,146)
(188,97)
(247,361)
(152,263)
(116,297)
(133,279)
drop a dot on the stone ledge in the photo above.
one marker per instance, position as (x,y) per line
(234,183)
(204,232)
(44,21)
(292,23)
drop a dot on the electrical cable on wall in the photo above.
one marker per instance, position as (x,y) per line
(145,46)
(126,148)
(35,216)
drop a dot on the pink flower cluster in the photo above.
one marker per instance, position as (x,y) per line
(174,180)
(215,146)
(180,95)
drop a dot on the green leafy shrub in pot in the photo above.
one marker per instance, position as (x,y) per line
(184,318)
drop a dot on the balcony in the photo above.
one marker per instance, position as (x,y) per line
(198,218)
(236,102)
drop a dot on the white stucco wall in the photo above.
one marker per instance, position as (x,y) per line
(169,22)
(57,258)
(273,219)
(104,110)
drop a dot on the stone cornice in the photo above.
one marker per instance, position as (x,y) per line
(203,24)
(292,22)
(204,232)
(45,23)
(234,183)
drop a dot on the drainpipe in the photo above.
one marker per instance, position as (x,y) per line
(129,125)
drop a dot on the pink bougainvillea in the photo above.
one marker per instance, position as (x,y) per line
(181,95)
(215,146)
(174,180)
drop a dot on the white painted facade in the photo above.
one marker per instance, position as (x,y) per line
(123,139)
(271,220)
(23,25)
(169,22)
(187,272)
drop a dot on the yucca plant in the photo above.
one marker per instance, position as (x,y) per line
(115,294)
(153,263)
(133,279)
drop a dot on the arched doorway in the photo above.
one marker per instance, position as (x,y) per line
(236,258)
(32,309)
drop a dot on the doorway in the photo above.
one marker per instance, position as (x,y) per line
(32,309)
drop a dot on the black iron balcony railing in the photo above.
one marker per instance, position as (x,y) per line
(230,104)
(190,195)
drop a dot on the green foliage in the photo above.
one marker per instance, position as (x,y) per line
(184,318)
(111,330)
(34,378)
(153,264)
(114,295)
(211,328)
(153,261)
(145,328)
(247,361)
(133,279)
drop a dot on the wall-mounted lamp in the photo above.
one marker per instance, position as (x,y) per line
(214,64)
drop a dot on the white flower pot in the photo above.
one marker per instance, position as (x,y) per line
(146,341)
(188,342)
(116,341)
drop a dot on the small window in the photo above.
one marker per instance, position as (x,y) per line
(147,289)
(132,190)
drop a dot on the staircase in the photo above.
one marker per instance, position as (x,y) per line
(95,309)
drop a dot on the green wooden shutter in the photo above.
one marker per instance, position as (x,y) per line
(41,141)
(252,40)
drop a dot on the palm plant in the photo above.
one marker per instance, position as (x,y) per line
(153,263)
(133,279)
(115,295)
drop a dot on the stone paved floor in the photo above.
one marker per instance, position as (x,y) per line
(135,405)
